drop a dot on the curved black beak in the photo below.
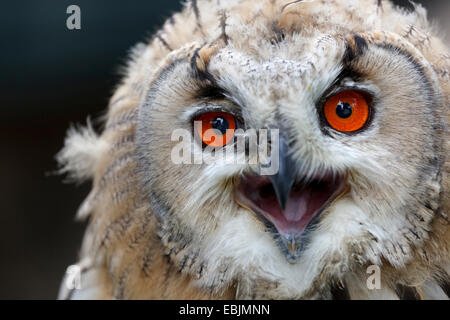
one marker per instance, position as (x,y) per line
(284,179)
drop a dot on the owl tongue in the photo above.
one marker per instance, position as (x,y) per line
(304,203)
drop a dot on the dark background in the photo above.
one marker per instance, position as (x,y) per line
(50,78)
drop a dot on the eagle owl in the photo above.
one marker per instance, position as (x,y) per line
(359,92)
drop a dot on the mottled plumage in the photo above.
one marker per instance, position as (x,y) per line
(163,231)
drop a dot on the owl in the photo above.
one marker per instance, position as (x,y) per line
(354,95)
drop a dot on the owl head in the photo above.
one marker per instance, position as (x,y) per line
(354,96)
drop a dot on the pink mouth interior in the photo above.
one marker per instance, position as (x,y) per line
(305,201)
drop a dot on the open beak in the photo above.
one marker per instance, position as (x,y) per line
(288,202)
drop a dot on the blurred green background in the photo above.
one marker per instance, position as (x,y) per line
(52,77)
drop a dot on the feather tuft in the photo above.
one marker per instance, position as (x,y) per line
(81,153)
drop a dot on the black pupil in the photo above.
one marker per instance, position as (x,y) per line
(220,124)
(344,110)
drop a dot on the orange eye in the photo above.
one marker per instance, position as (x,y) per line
(347,111)
(216,129)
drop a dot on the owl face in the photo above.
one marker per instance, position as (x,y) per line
(350,101)
(358,143)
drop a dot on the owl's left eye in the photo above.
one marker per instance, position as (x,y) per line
(216,129)
(347,111)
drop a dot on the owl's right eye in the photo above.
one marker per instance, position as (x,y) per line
(216,129)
